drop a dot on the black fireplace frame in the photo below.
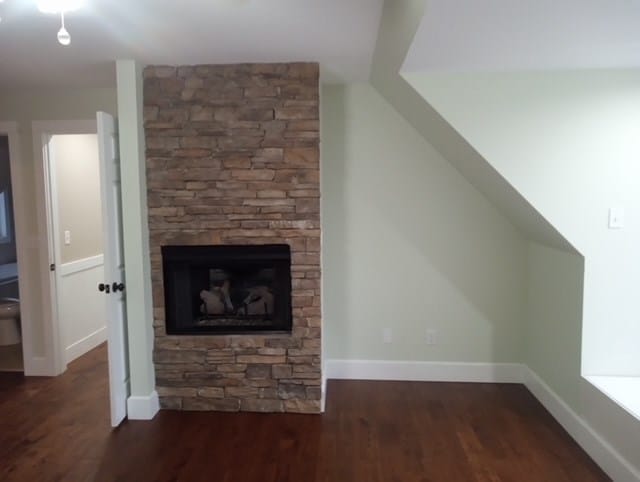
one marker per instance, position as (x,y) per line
(177,262)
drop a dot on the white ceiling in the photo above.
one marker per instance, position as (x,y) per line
(499,35)
(340,34)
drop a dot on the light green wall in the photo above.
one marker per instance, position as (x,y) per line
(409,244)
(570,143)
(24,107)
(553,326)
(552,349)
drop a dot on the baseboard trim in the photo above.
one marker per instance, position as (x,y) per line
(39,367)
(616,466)
(323,391)
(85,344)
(143,407)
(424,371)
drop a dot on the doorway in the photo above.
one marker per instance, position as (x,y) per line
(80,199)
(75,208)
(11,353)
(71,217)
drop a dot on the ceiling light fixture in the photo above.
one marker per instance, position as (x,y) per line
(60,7)
(63,36)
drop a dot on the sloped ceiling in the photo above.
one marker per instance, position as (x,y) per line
(400,21)
(507,35)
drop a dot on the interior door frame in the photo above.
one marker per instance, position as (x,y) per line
(12,131)
(47,227)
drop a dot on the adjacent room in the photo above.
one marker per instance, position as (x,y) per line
(10,338)
(319,241)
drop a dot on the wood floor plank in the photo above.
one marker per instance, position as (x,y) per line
(57,429)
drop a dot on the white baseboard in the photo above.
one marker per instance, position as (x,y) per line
(598,449)
(323,391)
(39,367)
(143,408)
(424,371)
(85,344)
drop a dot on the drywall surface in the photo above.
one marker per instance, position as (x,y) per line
(410,245)
(79,203)
(399,23)
(569,142)
(135,227)
(24,107)
(554,318)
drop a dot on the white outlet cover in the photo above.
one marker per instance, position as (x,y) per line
(387,335)
(67,237)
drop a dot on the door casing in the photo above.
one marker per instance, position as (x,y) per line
(54,360)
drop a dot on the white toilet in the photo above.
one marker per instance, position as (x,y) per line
(9,321)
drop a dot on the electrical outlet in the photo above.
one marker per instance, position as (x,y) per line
(387,335)
(67,237)
(431,336)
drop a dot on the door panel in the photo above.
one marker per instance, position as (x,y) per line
(114,267)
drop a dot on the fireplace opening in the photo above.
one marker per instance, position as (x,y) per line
(227,289)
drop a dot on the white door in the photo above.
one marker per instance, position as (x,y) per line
(113,285)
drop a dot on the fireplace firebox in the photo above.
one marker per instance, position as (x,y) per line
(227,289)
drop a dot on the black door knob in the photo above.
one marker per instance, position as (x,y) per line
(101,287)
(117,287)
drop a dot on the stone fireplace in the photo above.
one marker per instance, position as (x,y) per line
(234,219)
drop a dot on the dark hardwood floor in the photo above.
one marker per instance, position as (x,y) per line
(58,430)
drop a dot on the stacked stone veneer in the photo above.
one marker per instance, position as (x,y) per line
(233,158)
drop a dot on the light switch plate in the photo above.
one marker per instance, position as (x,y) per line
(616,218)
(67,237)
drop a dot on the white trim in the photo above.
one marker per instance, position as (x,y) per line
(85,344)
(39,367)
(606,456)
(323,391)
(624,391)
(42,132)
(424,371)
(81,265)
(143,408)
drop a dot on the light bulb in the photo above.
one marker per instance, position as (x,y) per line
(63,36)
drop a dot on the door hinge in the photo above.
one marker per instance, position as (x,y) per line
(52,267)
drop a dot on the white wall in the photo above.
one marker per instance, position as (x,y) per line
(570,143)
(79,204)
(409,244)
(25,106)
